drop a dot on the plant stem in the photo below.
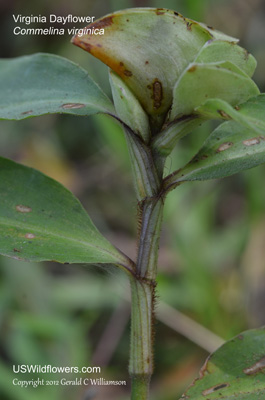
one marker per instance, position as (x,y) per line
(143,297)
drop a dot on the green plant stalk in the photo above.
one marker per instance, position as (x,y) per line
(143,283)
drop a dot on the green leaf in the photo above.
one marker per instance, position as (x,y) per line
(44,83)
(234,371)
(41,220)
(201,82)
(250,114)
(218,50)
(128,108)
(149,49)
(231,148)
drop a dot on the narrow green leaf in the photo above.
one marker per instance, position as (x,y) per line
(250,114)
(201,82)
(149,48)
(44,83)
(234,371)
(218,50)
(41,220)
(231,148)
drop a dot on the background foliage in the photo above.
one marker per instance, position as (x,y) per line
(212,248)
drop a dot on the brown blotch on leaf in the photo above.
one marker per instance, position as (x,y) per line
(240,337)
(193,68)
(257,367)
(72,105)
(83,44)
(127,72)
(189,26)
(160,11)
(204,369)
(23,209)
(16,250)
(27,112)
(223,114)
(121,64)
(246,54)
(30,236)
(102,23)
(210,27)
(147,62)
(251,142)
(215,388)
(224,146)
(157,95)
(176,13)
(204,157)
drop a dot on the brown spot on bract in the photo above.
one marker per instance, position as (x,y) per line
(204,157)
(30,236)
(72,105)
(251,142)
(193,68)
(121,64)
(257,367)
(23,209)
(210,27)
(127,72)
(189,26)
(27,112)
(223,114)
(147,62)
(224,146)
(215,388)
(157,93)
(176,13)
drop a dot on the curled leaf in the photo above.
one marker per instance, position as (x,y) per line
(219,50)
(201,82)
(149,49)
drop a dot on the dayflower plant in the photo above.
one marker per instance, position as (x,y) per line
(168,74)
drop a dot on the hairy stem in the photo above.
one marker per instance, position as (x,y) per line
(143,297)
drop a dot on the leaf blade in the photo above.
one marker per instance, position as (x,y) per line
(235,370)
(228,150)
(40,220)
(45,83)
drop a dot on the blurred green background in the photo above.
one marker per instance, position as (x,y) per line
(212,261)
